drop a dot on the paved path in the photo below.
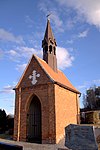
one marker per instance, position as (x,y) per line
(32,146)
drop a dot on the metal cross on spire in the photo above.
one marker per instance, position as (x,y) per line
(48,16)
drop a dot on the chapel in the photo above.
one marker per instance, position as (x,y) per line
(45,100)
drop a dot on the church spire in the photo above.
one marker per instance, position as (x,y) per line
(48,33)
(49,47)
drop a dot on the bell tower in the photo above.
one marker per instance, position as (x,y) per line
(49,47)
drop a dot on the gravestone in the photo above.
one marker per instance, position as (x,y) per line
(80,137)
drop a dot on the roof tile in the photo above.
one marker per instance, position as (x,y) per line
(58,76)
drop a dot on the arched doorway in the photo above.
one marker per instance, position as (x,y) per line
(34,121)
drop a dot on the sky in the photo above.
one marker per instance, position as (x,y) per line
(76,27)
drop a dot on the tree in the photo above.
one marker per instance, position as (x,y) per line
(10,124)
(91,100)
(3,120)
(6,122)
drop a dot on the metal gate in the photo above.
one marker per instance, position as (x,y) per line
(34,121)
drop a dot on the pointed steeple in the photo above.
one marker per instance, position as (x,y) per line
(48,33)
(49,47)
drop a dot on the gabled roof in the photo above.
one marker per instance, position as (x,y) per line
(58,77)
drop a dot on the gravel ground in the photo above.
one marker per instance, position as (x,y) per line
(31,146)
(98,146)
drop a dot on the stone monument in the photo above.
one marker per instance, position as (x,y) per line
(80,137)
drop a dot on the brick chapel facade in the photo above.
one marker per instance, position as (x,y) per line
(45,100)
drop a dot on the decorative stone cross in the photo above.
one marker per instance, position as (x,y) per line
(34,76)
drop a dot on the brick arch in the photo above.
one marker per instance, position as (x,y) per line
(28,101)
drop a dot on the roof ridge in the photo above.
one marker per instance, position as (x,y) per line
(46,63)
(43,67)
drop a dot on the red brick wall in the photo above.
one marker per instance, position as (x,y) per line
(45,93)
(66,110)
(58,105)
(16,116)
(59,108)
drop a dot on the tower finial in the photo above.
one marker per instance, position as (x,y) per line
(48,16)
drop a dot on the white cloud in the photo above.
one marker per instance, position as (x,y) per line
(83,34)
(27,52)
(21,68)
(29,21)
(87,84)
(13,53)
(1,53)
(57,21)
(10,37)
(80,35)
(23,52)
(47,8)
(7,89)
(70,23)
(86,9)
(80,87)
(64,58)
(97,81)
(70,41)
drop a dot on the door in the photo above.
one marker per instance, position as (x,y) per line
(34,121)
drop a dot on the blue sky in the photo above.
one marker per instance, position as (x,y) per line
(76,26)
